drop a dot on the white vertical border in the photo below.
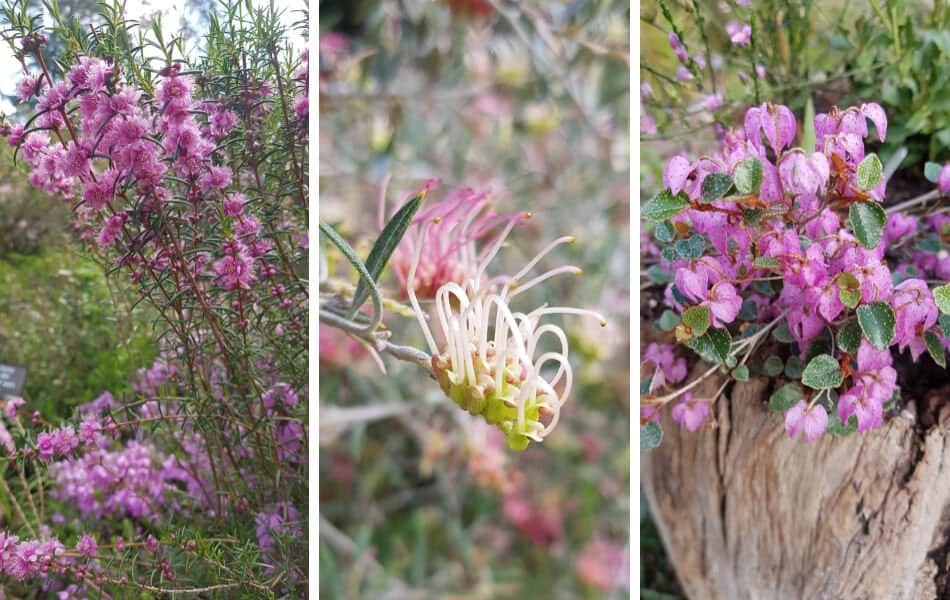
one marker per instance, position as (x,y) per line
(635,300)
(313,273)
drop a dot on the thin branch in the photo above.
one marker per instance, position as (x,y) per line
(922,199)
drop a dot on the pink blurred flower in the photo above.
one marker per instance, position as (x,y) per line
(604,565)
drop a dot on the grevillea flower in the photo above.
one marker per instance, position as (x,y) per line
(445,234)
(489,361)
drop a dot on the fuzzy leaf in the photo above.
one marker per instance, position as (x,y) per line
(664,231)
(932,171)
(713,346)
(870,172)
(651,435)
(741,373)
(935,349)
(877,322)
(715,186)
(748,176)
(697,318)
(849,337)
(668,320)
(942,298)
(867,221)
(785,397)
(822,372)
(664,205)
(773,366)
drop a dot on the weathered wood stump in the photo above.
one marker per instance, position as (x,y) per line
(747,513)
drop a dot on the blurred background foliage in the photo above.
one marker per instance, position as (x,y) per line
(59,315)
(530,100)
(833,53)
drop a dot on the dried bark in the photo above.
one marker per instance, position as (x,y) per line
(747,513)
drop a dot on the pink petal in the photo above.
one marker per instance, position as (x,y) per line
(676,173)
(873,111)
(794,418)
(815,422)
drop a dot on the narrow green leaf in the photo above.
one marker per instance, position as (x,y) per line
(877,322)
(651,435)
(849,337)
(822,372)
(748,176)
(785,397)
(870,172)
(942,298)
(664,205)
(808,132)
(697,318)
(867,221)
(351,256)
(935,348)
(384,247)
(715,186)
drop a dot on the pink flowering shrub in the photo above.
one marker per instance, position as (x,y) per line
(188,180)
(778,260)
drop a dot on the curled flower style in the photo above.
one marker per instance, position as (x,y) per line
(489,361)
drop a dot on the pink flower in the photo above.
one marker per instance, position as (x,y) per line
(603,565)
(12,405)
(690,413)
(45,445)
(683,74)
(65,440)
(739,34)
(676,173)
(666,368)
(776,123)
(235,270)
(812,421)
(647,124)
(916,312)
(678,48)
(724,304)
(712,102)
(943,180)
(445,235)
(216,178)
(112,230)
(87,546)
(803,174)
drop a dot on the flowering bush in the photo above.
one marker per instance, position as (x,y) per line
(768,238)
(189,180)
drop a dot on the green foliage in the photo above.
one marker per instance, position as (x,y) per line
(61,320)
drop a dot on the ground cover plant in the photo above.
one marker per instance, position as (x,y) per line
(794,224)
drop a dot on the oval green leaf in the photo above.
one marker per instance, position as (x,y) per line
(664,205)
(870,172)
(867,222)
(877,322)
(822,372)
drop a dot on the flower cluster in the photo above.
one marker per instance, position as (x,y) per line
(768,238)
(488,361)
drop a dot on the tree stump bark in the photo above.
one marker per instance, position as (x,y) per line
(746,512)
